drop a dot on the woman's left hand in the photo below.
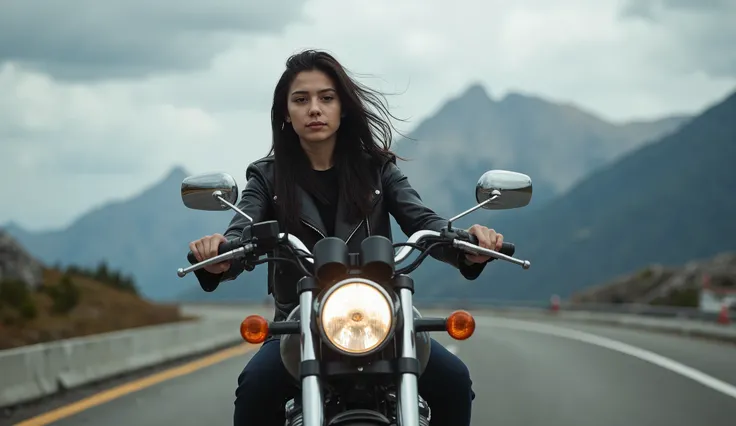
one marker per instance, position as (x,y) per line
(487,238)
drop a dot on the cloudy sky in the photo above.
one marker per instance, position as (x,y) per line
(99,99)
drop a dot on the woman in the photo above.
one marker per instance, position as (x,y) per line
(329,176)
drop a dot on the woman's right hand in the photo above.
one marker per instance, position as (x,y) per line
(206,248)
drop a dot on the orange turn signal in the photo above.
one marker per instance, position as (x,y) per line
(460,325)
(254,329)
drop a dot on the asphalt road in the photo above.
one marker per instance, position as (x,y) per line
(524,372)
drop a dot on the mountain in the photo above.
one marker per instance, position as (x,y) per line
(558,144)
(667,203)
(147,235)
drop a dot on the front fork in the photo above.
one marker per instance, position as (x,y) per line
(312,398)
(408,404)
(312,401)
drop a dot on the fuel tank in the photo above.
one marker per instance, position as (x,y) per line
(290,350)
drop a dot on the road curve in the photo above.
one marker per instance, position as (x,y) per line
(524,373)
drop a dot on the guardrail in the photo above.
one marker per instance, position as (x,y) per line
(35,371)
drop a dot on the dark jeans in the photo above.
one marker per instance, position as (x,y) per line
(264,385)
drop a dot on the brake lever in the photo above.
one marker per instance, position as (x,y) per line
(474,249)
(232,254)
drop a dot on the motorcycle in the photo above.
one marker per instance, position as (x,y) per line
(355,343)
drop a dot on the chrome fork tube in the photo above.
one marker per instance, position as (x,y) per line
(312,402)
(408,389)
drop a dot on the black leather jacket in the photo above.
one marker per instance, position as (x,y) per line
(392,196)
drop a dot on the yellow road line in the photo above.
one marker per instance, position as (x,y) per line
(136,385)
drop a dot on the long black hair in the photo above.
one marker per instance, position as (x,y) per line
(363,140)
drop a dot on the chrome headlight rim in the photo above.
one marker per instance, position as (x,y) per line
(326,294)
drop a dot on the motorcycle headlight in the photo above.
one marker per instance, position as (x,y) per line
(356,316)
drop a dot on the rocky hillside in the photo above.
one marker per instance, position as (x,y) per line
(666,285)
(17,264)
(40,304)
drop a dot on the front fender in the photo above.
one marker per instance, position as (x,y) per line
(359,417)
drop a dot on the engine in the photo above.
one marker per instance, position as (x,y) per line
(294,416)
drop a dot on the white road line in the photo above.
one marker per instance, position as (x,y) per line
(615,345)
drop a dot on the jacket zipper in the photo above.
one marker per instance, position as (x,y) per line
(355,230)
(366,221)
(323,235)
(314,228)
(367,225)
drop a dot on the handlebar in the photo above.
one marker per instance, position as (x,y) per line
(223,248)
(465,241)
(506,248)
(470,246)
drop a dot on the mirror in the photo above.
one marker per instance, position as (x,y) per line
(197,190)
(515,189)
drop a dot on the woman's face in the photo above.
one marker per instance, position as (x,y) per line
(313,107)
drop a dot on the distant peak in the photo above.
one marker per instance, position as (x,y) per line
(473,97)
(476,91)
(173,177)
(177,172)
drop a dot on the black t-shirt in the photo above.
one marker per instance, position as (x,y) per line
(328,185)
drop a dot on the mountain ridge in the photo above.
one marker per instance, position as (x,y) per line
(629,213)
(134,236)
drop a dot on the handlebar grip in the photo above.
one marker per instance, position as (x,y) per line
(223,248)
(506,248)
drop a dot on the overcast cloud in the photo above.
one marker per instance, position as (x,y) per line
(89,39)
(100,99)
